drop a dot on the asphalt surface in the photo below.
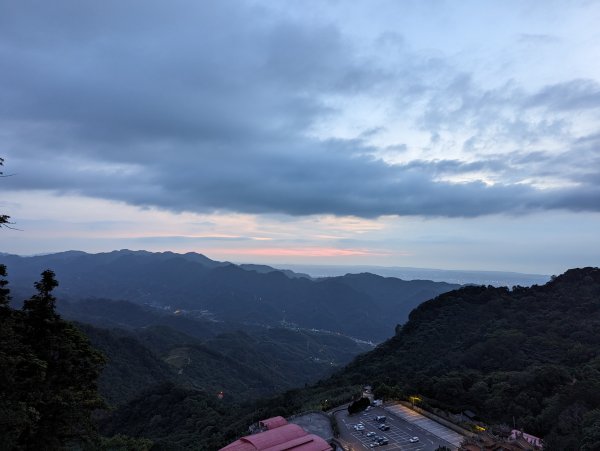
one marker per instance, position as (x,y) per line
(426,423)
(398,435)
(315,423)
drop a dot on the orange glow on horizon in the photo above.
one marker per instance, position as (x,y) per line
(301,252)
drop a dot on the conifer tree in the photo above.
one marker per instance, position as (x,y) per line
(48,375)
(4,219)
(40,307)
(67,394)
(4,292)
(16,369)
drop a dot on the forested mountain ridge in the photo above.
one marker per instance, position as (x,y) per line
(244,365)
(219,291)
(527,356)
(528,353)
(52,379)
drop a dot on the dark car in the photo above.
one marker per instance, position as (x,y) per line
(384,427)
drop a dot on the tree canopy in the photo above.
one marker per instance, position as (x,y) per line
(48,374)
(4,219)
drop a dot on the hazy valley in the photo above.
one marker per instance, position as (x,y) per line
(243,344)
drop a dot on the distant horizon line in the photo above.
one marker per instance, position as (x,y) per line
(281,265)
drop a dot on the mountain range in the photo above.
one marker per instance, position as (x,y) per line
(365,306)
(526,357)
(178,330)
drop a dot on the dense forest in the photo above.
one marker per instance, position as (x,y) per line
(365,306)
(60,379)
(526,357)
(48,373)
(242,365)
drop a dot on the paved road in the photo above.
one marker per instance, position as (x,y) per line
(399,434)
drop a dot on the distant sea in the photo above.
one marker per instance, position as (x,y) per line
(494,278)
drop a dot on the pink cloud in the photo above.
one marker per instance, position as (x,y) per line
(301,252)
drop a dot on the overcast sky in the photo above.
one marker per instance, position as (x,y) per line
(444,134)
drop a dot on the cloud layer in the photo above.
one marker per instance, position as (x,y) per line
(232,106)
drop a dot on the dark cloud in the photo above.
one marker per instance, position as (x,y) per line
(208,106)
(322,178)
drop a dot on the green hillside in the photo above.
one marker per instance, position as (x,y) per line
(526,356)
(361,305)
(244,365)
(530,355)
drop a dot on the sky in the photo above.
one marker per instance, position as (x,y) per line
(428,133)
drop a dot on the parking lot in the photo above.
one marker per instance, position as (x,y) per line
(399,434)
(426,423)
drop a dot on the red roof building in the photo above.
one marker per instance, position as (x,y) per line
(279,436)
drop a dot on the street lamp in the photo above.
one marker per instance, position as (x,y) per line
(414,399)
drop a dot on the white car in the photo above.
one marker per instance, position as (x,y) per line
(370,434)
(359,427)
(414,440)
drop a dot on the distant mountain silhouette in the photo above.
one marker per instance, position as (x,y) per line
(462,277)
(267,269)
(361,305)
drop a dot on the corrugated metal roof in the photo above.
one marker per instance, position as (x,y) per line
(275,422)
(306,443)
(275,436)
(239,445)
(283,438)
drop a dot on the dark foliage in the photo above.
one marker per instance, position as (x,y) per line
(4,219)
(130,366)
(358,406)
(48,374)
(528,353)
(244,365)
(178,418)
(198,285)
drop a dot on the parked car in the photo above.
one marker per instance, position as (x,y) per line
(414,440)
(380,418)
(384,427)
(370,434)
(383,441)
